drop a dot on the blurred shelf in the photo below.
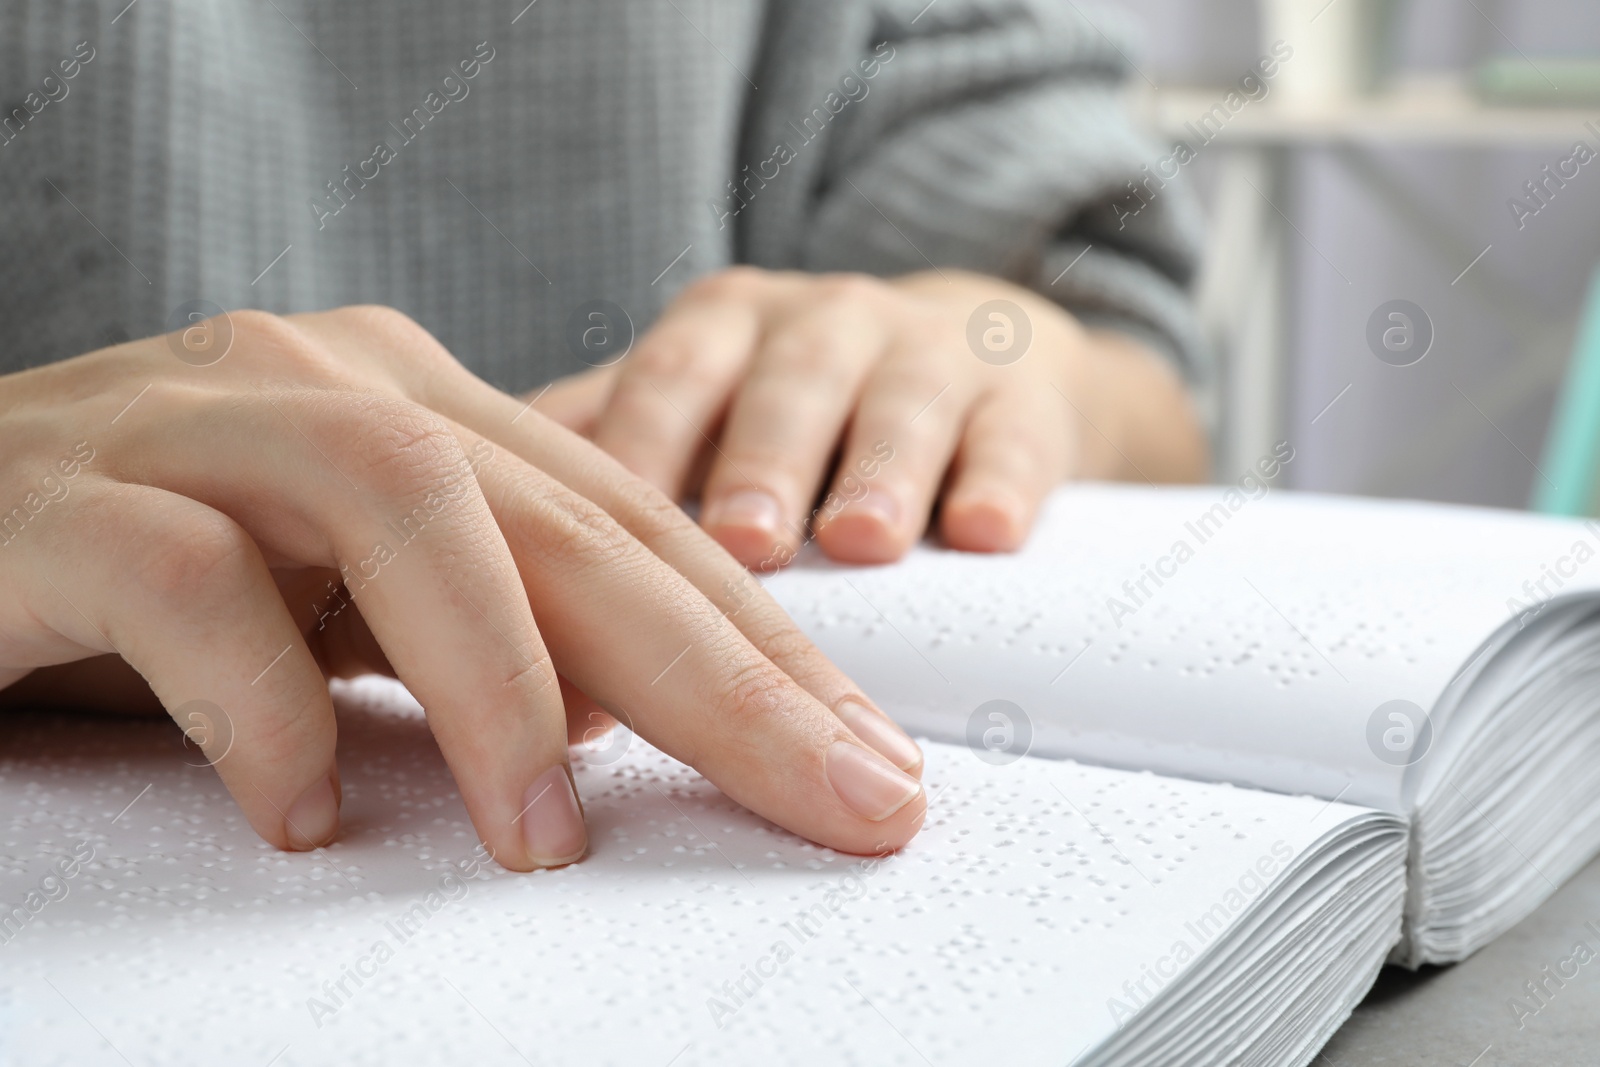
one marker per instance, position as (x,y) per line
(1444,114)
(1242,293)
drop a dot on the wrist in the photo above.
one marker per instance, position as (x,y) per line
(1144,423)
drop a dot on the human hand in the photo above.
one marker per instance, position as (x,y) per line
(927,390)
(196,522)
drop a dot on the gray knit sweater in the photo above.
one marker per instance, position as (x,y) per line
(491,168)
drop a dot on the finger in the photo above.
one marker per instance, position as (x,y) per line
(381,490)
(785,423)
(420,367)
(182,593)
(672,536)
(576,400)
(905,430)
(663,528)
(672,389)
(1016,447)
(630,631)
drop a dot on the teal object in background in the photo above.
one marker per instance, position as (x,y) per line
(1511,81)
(1572,449)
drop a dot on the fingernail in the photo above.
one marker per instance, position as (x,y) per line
(881,732)
(879,503)
(867,783)
(312,820)
(552,822)
(986,520)
(748,507)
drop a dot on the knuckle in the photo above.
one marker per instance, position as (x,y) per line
(263,326)
(667,358)
(281,344)
(397,448)
(733,283)
(754,695)
(779,639)
(809,360)
(531,677)
(575,531)
(393,325)
(651,514)
(381,316)
(401,336)
(908,382)
(850,287)
(934,333)
(184,557)
(635,417)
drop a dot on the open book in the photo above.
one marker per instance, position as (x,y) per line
(1437,663)
(1053,910)
(1050,912)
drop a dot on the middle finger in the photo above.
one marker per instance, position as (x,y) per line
(784,425)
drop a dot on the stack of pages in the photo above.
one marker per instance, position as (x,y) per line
(1435,663)
(1201,764)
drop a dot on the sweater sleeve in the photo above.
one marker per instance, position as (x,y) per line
(988,135)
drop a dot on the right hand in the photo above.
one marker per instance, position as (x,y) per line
(195,521)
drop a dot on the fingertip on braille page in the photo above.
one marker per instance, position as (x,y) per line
(552,820)
(865,530)
(868,784)
(755,508)
(313,819)
(876,505)
(993,521)
(747,522)
(880,732)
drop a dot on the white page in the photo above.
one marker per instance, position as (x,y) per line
(1260,659)
(999,934)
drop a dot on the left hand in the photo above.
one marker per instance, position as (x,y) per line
(753,382)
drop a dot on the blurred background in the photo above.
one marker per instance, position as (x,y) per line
(1381,165)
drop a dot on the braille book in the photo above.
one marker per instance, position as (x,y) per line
(1437,663)
(1198,762)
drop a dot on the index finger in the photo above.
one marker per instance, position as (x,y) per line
(381,490)
(670,535)
(630,630)
(663,540)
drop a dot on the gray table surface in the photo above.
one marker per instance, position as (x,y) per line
(1462,1015)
